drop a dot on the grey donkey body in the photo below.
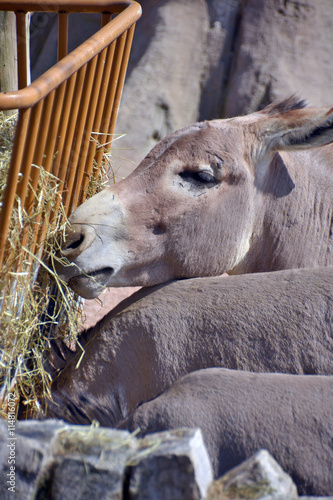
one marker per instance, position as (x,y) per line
(265,322)
(241,412)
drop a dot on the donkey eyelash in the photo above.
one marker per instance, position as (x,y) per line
(201,176)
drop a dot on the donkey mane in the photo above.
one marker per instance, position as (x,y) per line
(288,104)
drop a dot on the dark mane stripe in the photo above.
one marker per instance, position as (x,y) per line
(288,104)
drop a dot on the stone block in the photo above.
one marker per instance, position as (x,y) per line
(171,464)
(59,461)
(30,446)
(260,478)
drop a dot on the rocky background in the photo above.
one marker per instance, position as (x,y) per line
(204,59)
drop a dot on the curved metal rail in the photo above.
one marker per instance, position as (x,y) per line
(68,113)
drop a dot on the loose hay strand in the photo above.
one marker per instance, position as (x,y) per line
(36,307)
(27,287)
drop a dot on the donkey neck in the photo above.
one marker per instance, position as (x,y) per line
(294,216)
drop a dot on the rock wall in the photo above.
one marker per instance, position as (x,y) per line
(199,60)
(177,72)
(49,460)
(281,47)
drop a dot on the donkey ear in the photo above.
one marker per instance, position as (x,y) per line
(298,129)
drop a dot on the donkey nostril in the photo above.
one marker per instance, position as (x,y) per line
(159,229)
(75,244)
(78,240)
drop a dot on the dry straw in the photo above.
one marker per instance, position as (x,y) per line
(35,306)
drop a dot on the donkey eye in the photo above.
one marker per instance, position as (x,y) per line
(202,176)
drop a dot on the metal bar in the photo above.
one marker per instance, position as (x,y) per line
(13,175)
(94,98)
(62,35)
(121,79)
(31,138)
(70,135)
(69,64)
(82,133)
(54,125)
(59,170)
(30,174)
(61,135)
(101,102)
(43,131)
(105,122)
(37,160)
(40,161)
(22,48)
(54,131)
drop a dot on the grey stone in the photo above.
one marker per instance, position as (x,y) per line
(58,461)
(177,466)
(91,460)
(71,478)
(260,477)
(31,448)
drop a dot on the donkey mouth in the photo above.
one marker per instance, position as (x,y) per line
(91,284)
(106,271)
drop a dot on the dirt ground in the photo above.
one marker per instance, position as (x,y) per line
(94,310)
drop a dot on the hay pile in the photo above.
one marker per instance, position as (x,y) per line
(35,307)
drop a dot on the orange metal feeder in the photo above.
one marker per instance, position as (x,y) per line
(68,106)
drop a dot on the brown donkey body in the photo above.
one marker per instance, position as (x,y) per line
(263,322)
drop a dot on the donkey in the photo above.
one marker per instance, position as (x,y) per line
(264,322)
(241,195)
(241,412)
